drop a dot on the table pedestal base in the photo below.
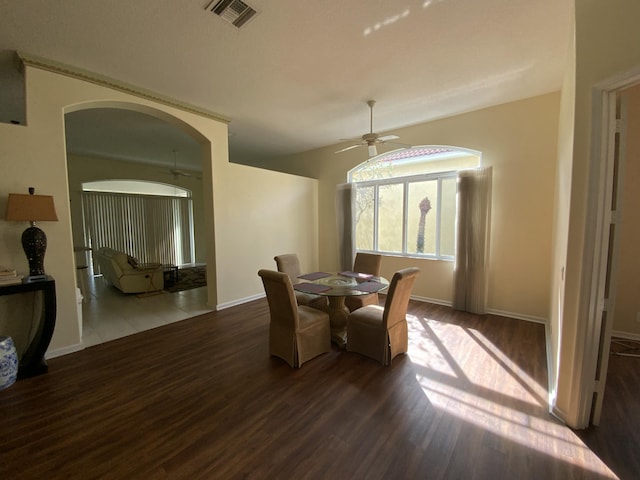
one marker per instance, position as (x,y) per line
(338,314)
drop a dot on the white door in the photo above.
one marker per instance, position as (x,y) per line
(615,159)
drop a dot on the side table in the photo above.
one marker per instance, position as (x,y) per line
(170,273)
(33,361)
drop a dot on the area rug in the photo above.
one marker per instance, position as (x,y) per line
(188,278)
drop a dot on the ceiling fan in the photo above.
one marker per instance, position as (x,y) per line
(371,139)
(175,171)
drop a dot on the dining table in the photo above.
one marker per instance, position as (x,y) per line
(337,287)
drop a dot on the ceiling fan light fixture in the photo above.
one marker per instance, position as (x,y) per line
(371,139)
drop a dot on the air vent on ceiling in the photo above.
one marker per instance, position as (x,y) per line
(236,12)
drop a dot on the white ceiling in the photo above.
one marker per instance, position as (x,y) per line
(297,76)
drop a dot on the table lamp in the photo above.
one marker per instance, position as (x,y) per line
(32,208)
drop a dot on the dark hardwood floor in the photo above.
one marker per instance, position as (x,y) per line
(202,399)
(617,439)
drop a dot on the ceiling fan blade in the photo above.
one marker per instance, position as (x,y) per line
(371,139)
(349,148)
(386,138)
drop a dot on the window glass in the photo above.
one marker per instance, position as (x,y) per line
(421,217)
(365,203)
(390,208)
(406,200)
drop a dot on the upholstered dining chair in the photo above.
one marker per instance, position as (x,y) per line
(365,263)
(379,332)
(297,333)
(290,264)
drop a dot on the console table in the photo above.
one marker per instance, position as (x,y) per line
(33,362)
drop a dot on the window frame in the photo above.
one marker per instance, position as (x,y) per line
(405,182)
(133,186)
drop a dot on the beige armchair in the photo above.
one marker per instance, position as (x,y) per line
(289,264)
(365,263)
(123,272)
(296,333)
(382,333)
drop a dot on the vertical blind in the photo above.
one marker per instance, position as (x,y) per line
(148,227)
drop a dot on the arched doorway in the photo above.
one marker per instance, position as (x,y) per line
(107,140)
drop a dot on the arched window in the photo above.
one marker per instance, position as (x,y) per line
(405,201)
(136,187)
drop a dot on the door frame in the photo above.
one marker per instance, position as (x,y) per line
(601,264)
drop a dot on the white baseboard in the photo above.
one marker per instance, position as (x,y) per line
(431,300)
(240,301)
(517,316)
(559,414)
(625,335)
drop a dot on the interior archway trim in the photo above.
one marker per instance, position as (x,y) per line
(70,71)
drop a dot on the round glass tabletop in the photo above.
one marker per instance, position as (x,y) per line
(343,286)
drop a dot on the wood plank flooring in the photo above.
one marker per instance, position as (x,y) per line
(617,439)
(202,399)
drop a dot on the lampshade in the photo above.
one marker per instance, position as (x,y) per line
(30,208)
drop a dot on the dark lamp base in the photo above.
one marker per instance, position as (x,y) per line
(34,242)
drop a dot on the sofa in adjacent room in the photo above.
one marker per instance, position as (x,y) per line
(126,274)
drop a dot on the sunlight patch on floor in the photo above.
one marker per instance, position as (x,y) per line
(488,389)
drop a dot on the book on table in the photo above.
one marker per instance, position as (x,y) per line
(10,280)
(314,275)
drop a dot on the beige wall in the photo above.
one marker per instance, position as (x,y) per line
(87,169)
(243,227)
(263,214)
(628,277)
(561,212)
(606,36)
(519,140)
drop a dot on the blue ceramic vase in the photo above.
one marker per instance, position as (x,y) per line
(8,362)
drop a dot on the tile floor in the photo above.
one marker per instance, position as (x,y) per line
(108,314)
